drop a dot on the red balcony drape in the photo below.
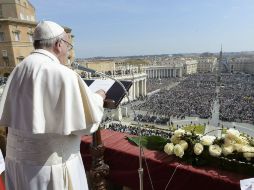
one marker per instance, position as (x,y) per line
(122,158)
(1,183)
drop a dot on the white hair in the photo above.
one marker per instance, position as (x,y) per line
(49,43)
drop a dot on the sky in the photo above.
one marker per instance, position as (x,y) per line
(142,27)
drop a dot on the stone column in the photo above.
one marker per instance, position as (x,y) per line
(180,72)
(145,87)
(134,90)
(140,87)
(137,89)
(131,93)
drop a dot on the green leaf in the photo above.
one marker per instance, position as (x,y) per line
(152,142)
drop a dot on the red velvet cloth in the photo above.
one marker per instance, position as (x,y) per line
(123,160)
(1,183)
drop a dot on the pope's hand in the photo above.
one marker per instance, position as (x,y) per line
(102,93)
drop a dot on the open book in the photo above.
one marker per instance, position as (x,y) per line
(114,91)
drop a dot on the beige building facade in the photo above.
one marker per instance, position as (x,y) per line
(190,67)
(206,65)
(17,23)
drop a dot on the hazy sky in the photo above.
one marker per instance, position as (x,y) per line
(141,27)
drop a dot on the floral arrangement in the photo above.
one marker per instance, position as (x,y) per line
(233,151)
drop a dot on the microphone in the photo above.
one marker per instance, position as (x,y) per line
(76,65)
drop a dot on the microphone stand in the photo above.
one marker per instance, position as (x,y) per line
(140,170)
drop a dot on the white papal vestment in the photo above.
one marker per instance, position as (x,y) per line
(47,107)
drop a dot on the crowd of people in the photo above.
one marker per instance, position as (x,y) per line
(237,98)
(136,130)
(193,96)
(152,119)
(160,83)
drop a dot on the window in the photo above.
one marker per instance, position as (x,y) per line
(16,36)
(4,53)
(1,37)
(30,34)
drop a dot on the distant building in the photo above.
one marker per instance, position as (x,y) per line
(190,67)
(17,23)
(206,65)
(100,65)
(164,71)
(120,71)
(241,64)
(249,66)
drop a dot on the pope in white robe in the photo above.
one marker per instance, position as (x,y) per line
(47,107)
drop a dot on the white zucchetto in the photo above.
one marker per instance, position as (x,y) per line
(46,30)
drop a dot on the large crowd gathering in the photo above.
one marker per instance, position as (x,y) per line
(152,119)
(193,96)
(137,130)
(160,83)
(237,98)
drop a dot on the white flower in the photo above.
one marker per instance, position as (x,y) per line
(179,132)
(226,150)
(207,140)
(169,148)
(215,150)
(242,140)
(184,144)
(198,148)
(229,141)
(178,150)
(174,139)
(238,147)
(248,152)
(232,133)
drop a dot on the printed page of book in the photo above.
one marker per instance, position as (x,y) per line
(101,84)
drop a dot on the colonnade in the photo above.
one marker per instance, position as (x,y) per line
(138,88)
(163,72)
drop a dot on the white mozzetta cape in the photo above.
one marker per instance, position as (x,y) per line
(47,107)
(43,96)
